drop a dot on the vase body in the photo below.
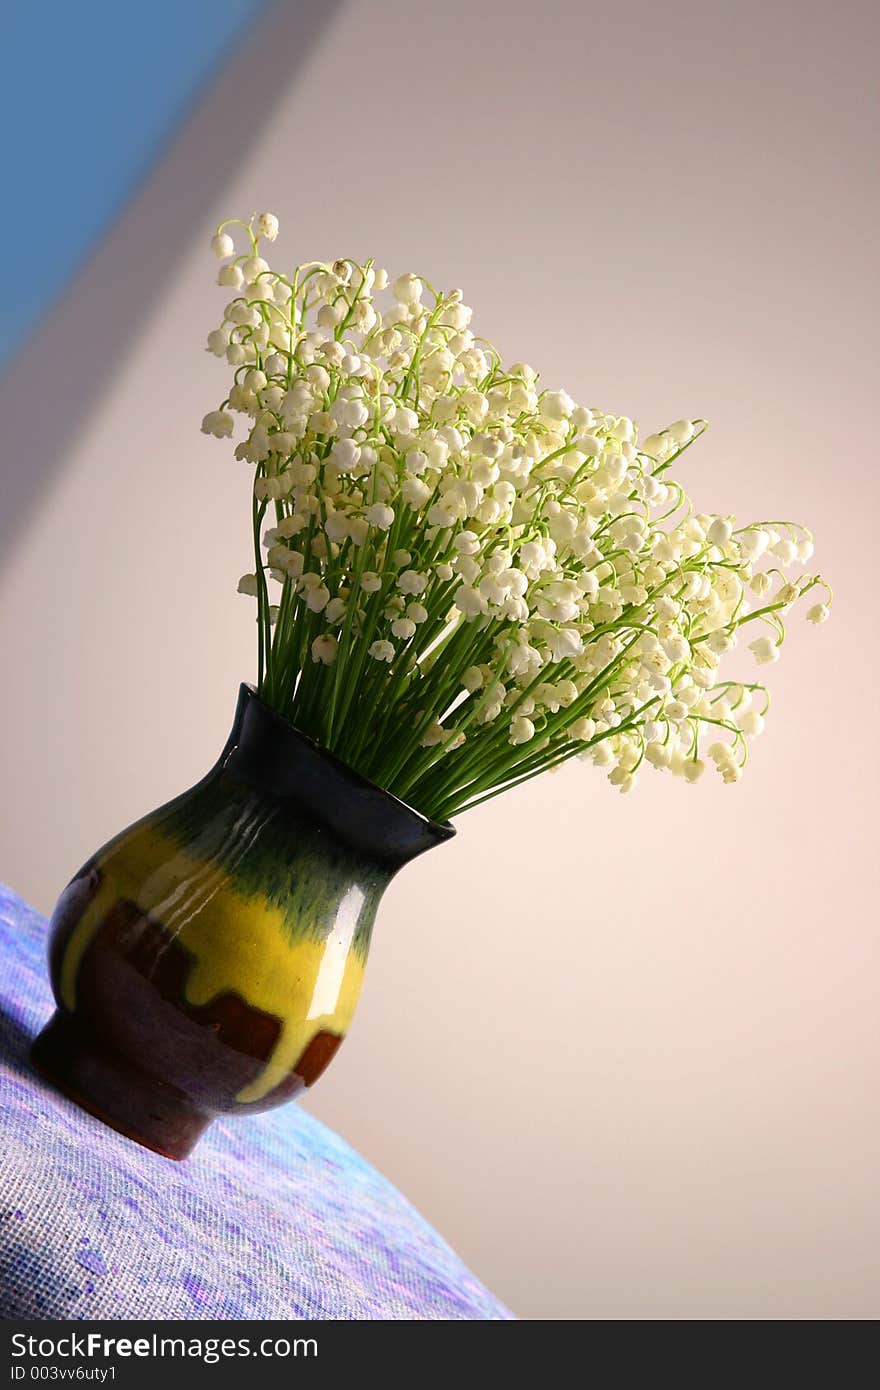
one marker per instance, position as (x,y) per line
(209,959)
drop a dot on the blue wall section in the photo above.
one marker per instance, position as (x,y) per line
(89,95)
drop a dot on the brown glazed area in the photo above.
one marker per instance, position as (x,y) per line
(207,961)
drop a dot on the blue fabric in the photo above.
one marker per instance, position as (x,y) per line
(272,1217)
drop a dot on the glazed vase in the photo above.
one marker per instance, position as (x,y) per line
(208,960)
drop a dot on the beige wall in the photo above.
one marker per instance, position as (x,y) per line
(624,1052)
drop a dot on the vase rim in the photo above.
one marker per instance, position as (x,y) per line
(432,831)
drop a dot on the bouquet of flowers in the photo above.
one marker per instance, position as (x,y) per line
(462,580)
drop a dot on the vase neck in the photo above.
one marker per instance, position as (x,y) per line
(268,754)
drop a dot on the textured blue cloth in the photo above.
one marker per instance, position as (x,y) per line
(272,1217)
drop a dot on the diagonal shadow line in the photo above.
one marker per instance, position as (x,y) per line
(52,386)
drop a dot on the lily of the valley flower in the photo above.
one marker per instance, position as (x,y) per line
(477,578)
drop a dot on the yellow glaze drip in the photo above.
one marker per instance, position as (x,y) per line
(80,937)
(242,945)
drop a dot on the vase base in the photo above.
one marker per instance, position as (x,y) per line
(102,1082)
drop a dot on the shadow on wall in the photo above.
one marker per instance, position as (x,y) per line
(77,351)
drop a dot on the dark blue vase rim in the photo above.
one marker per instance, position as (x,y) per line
(269,752)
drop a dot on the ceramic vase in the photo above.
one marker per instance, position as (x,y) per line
(208,960)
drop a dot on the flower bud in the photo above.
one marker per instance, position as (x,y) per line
(266,226)
(222,245)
